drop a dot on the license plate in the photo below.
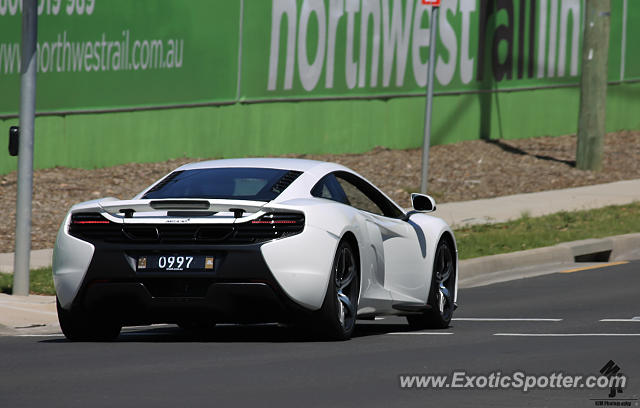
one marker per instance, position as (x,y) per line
(176,263)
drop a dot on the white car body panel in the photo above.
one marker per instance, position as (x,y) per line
(71,258)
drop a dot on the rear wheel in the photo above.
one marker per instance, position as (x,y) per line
(441,292)
(337,317)
(78,325)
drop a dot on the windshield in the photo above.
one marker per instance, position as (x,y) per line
(257,184)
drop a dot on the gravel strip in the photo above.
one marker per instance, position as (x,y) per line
(457,172)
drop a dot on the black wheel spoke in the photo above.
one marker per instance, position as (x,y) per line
(346,279)
(440,297)
(346,292)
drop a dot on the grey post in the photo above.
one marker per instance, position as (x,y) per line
(25,151)
(593,85)
(433,39)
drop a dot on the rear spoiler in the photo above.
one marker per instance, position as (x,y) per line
(121,206)
(204,210)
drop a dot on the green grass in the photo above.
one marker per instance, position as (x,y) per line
(480,240)
(528,232)
(40,282)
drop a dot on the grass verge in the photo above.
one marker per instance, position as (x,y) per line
(40,282)
(528,232)
(480,240)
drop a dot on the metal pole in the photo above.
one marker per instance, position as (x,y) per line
(25,151)
(433,29)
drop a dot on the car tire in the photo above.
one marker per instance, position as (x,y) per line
(336,318)
(441,292)
(77,325)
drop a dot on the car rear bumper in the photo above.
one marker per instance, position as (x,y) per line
(240,288)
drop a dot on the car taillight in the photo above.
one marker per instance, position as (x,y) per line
(281,218)
(88,218)
(93,226)
(270,226)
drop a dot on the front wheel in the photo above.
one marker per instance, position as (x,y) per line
(336,318)
(441,292)
(77,325)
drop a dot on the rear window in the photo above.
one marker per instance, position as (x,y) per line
(256,184)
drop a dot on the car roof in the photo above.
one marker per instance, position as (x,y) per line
(264,162)
(313,170)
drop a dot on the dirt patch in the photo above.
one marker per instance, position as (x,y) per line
(457,172)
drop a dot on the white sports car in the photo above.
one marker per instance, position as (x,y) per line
(253,240)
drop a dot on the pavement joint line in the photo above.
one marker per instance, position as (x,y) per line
(567,334)
(20,302)
(39,335)
(22,309)
(422,333)
(505,319)
(586,268)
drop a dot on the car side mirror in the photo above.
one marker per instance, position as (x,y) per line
(423,202)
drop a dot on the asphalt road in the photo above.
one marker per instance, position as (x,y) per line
(268,366)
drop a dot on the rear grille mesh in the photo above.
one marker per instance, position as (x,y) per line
(94,227)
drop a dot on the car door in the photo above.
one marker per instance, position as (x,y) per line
(374,297)
(400,259)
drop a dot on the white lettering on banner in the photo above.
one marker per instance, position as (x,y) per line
(466,63)
(389,30)
(351,66)
(50,7)
(396,40)
(280,8)
(420,40)
(569,7)
(445,70)
(336,11)
(542,36)
(369,8)
(105,54)
(553,33)
(310,72)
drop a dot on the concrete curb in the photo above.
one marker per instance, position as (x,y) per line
(535,262)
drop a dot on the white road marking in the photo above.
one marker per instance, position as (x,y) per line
(422,333)
(633,319)
(147,326)
(567,334)
(142,333)
(504,319)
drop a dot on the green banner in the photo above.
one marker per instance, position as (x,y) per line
(358,48)
(99,54)
(120,54)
